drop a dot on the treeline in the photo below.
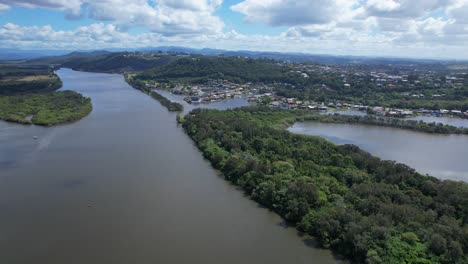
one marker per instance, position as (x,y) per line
(140,85)
(364,208)
(118,62)
(171,106)
(44,109)
(20,79)
(27,96)
(200,69)
(436,128)
(15,87)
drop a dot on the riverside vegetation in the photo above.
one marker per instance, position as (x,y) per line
(420,126)
(139,85)
(364,208)
(27,96)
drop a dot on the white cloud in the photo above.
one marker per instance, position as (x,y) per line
(383,5)
(167,17)
(72,7)
(293,12)
(404,8)
(3,8)
(434,28)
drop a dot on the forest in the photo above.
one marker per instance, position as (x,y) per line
(420,126)
(140,85)
(171,106)
(118,62)
(200,69)
(364,208)
(28,96)
(47,109)
(16,79)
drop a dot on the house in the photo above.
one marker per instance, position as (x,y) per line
(323,108)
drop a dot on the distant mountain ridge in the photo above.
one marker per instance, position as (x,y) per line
(12,54)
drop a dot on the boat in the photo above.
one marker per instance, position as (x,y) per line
(35,137)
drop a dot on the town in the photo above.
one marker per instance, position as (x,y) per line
(404,81)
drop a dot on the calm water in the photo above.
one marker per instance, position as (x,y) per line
(453,121)
(442,156)
(221,105)
(126,185)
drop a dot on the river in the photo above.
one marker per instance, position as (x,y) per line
(446,120)
(442,156)
(221,105)
(126,185)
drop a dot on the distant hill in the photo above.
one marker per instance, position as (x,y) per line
(299,57)
(203,68)
(18,54)
(104,61)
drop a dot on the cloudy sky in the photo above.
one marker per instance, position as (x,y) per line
(407,28)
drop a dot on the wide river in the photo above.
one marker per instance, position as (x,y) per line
(442,156)
(126,185)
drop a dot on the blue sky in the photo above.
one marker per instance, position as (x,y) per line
(407,28)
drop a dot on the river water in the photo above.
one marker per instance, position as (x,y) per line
(442,156)
(126,185)
(221,105)
(452,121)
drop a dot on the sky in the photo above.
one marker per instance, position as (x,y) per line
(396,28)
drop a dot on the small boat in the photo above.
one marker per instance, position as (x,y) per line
(35,137)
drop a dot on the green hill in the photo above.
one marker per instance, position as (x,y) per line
(103,61)
(236,69)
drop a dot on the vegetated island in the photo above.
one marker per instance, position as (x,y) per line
(27,96)
(362,207)
(137,84)
(420,126)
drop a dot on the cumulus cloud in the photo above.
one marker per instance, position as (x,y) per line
(167,17)
(71,7)
(293,12)
(364,27)
(3,8)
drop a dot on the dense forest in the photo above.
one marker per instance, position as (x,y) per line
(27,95)
(44,108)
(364,208)
(108,62)
(200,69)
(16,79)
(119,62)
(140,85)
(436,128)
(171,106)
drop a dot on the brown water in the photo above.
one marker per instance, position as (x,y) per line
(126,185)
(442,156)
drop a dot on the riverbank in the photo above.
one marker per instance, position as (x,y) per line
(353,202)
(171,106)
(286,118)
(139,85)
(420,126)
